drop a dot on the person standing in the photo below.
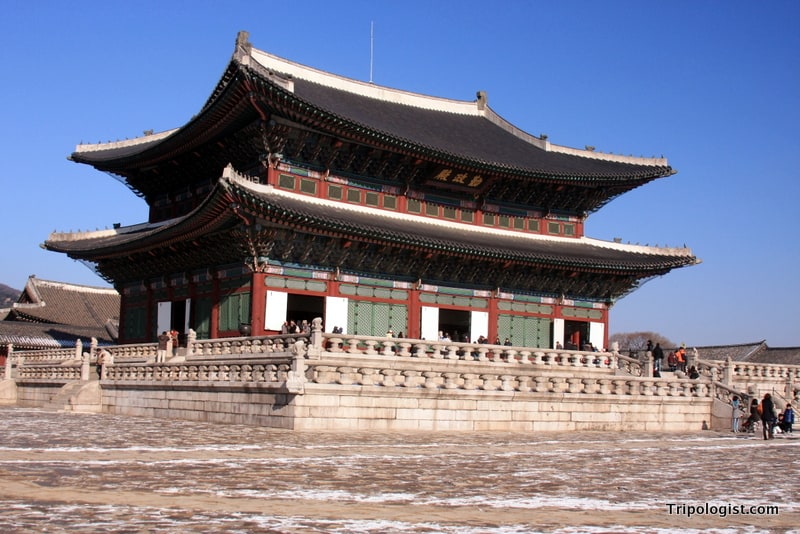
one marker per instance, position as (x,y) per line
(672,361)
(163,341)
(658,357)
(173,336)
(754,417)
(788,419)
(736,413)
(103,358)
(767,416)
(680,355)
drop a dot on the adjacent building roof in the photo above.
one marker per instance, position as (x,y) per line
(52,314)
(45,301)
(741,352)
(38,336)
(756,352)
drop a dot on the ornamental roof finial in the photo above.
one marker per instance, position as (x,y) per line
(243,46)
(483,100)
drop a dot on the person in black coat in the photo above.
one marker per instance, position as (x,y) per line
(767,416)
(658,357)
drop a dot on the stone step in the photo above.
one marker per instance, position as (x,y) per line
(85,394)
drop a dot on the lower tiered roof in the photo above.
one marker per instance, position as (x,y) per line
(242,221)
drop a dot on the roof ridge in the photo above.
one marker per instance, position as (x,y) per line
(69,285)
(250,56)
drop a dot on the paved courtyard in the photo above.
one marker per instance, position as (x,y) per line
(63,472)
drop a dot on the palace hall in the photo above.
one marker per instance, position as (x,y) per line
(294,193)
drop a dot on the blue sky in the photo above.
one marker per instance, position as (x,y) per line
(712,86)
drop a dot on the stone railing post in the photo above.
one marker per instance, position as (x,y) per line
(648,365)
(691,359)
(86,358)
(615,355)
(727,372)
(78,349)
(93,346)
(10,354)
(191,339)
(316,343)
(297,376)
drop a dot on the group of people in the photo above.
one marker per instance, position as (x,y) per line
(762,412)
(676,360)
(292,327)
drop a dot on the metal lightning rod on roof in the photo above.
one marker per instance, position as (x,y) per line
(371,46)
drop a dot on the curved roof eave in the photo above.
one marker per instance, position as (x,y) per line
(212,214)
(314,214)
(412,231)
(483,140)
(477,135)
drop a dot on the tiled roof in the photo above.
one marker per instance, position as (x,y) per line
(468,137)
(777,355)
(67,304)
(35,336)
(742,352)
(757,352)
(399,229)
(469,240)
(431,127)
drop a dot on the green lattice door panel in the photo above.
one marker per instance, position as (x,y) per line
(234,309)
(375,318)
(524,331)
(202,317)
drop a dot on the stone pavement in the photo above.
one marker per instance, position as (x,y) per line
(63,472)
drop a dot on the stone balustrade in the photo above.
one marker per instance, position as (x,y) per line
(711,370)
(748,371)
(391,362)
(242,346)
(726,393)
(45,372)
(473,352)
(263,372)
(405,372)
(133,352)
(629,365)
(49,355)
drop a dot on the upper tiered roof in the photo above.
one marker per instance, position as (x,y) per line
(270,108)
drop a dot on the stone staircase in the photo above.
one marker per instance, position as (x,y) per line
(77,397)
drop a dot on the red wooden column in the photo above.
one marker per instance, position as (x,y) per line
(214,323)
(258,308)
(123,316)
(152,314)
(414,314)
(493,317)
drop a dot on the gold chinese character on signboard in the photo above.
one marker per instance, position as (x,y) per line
(443,175)
(460,178)
(476,181)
